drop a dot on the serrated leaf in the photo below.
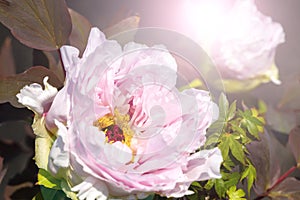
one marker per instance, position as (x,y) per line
(231,179)
(11,85)
(40,24)
(256,121)
(47,180)
(238,129)
(224,146)
(236,149)
(80,31)
(210,183)
(7,63)
(231,111)
(228,164)
(220,188)
(223,106)
(252,129)
(212,139)
(250,174)
(196,184)
(217,127)
(235,194)
(294,142)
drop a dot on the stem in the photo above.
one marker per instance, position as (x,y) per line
(284,176)
(61,61)
(281,178)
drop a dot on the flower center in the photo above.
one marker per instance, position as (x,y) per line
(116,127)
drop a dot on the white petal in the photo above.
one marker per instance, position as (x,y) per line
(96,38)
(204,165)
(59,155)
(37,99)
(91,189)
(69,56)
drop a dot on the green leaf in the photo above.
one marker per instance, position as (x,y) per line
(262,107)
(228,164)
(194,196)
(220,188)
(235,194)
(196,184)
(47,180)
(223,106)
(250,174)
(236,149)
(252,128)
(80,31)
(294,142)
(231,179)
(231,111)
(238,129)
(11,85)
(224,146)
(210,183)
(212,139)
(40,24)
(52,194)
(217,127)
(255,121)
(67,190)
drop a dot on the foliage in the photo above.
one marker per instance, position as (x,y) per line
(233,130)
(259,144)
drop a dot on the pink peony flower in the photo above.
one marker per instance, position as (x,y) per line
(240,40)
(122,127)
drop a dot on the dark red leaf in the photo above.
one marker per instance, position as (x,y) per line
(11,85)
(80,30)
(294,143)
(7,64)
(40,24)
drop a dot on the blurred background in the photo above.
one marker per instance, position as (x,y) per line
(17,140)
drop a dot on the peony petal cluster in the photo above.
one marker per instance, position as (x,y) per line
(123,130)
(241,41)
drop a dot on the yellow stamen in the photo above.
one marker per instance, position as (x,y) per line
(123,122)
(105,121)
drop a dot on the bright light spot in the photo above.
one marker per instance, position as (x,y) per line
(214,19)
(205,16)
